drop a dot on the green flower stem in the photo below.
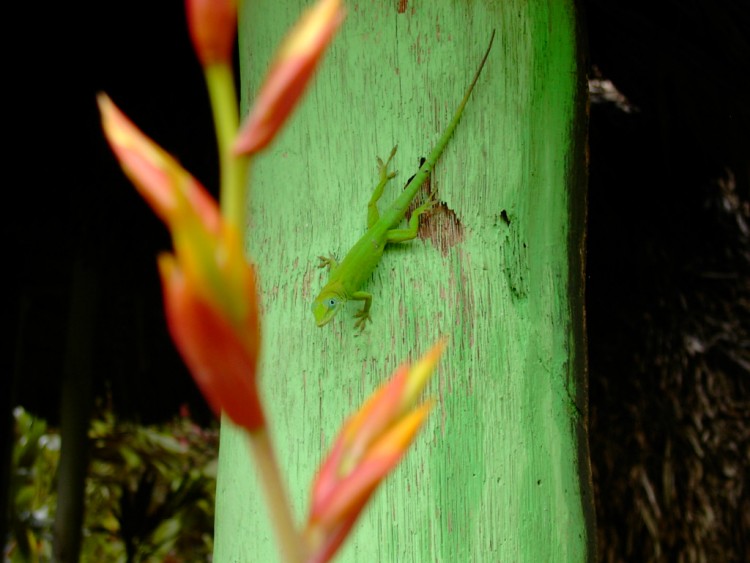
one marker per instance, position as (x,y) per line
(233,170)
(289,540)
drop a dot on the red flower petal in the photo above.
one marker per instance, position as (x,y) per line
(223,366)
(213,27)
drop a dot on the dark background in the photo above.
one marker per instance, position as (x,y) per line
(668,297)
(78,212)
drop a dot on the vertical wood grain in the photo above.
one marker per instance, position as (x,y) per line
(500,472)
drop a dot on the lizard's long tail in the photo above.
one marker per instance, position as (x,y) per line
(448,133)
(424,171)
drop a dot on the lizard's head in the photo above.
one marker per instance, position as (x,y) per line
(326,305)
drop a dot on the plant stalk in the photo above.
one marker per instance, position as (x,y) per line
(287,536)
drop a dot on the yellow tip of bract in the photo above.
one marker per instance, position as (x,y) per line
(316,25)
(287,79)
(157,176)
(420,373)
(140,159)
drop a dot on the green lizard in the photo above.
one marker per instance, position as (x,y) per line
(347,277)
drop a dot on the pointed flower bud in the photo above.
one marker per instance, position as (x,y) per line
(213,27)
(289,74)
(369,446)
(209,288)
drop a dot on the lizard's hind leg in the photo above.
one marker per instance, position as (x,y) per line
(409,233)
(385,177)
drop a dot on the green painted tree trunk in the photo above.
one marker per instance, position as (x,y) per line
(501,470)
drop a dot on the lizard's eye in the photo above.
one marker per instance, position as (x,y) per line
(332,302)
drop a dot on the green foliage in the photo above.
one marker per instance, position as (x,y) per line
(35,456)
(149,491)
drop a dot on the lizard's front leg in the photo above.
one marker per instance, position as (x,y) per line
(327,262)
(364,315)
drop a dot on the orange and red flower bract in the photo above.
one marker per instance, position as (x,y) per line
(153,171)
(222,363)
(369,446)
(209,287)
(289,74)
(213,27)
